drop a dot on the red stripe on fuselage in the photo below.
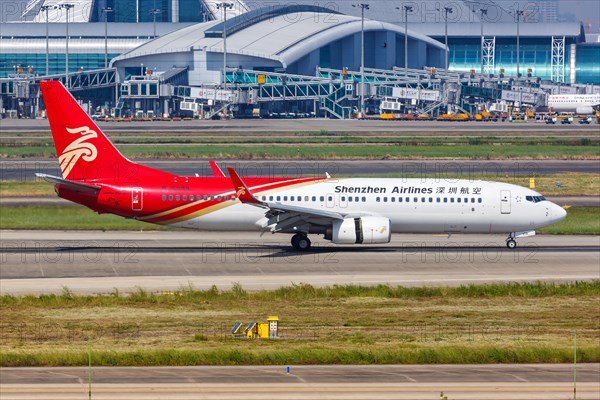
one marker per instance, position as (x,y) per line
(223,187)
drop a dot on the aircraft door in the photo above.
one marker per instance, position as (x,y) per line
(137,199)
(505,201)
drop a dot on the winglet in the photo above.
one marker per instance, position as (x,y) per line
(217,172)
(241,190)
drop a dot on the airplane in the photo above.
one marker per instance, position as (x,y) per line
(583,104)
(344,210)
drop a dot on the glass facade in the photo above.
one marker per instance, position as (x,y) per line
(140,10)
(464,55)
(588,63)
(9,63)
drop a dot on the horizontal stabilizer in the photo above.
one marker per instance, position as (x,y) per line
(72,185)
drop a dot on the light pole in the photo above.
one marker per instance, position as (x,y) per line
(67,7)
(447,10)
(106,11)
(154,12)
(482,12)
(407,9)
(363,7)
(45,9)
(518,13)
(224,6)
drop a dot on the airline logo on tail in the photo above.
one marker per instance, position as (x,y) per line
(78,148)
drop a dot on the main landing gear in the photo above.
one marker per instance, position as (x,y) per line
(300,242)
(511,243)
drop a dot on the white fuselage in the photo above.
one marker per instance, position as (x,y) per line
(574,103)
(412,205)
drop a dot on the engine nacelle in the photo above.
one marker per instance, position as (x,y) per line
(367,230)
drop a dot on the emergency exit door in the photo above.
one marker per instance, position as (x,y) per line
(137,199)
(505,201)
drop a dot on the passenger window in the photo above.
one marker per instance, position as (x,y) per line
(343,198)
(479,200)
(264,198)
(185,197)
(399,199)
(466,199)
(330,198)
(270,198)
(431,199)
(458,200)
(472,199)
(278,198)
(416,199)
(407,199)
(212,198)
(378,199)
(322,198)
(232,198)
(170,197)
(306,198)
(393,199)
(226,198)
(205,197)
(364,199)
(445,199)
(314,198)
(350,199)
(437,200)
(164,197)
(422,199)
(284,198)
(385,199)
(451,199)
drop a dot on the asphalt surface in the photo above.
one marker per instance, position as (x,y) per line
(13,126)
(552,381)
(98,262)
(24,170)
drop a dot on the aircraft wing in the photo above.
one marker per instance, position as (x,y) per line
(282,216)
(72,185)
(217,173)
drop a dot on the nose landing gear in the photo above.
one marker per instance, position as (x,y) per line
(300,242)
(511,243)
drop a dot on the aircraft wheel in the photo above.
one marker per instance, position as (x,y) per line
(511,243)
(300,242)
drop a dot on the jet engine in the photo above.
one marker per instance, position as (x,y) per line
(367,230)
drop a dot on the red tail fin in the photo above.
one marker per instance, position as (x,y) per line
(84,152)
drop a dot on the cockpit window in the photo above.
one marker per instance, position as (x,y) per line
(535,199)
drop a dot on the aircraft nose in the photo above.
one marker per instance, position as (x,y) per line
(558,213)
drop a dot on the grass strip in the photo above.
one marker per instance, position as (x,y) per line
(579,221)
(333,151)
(497,323)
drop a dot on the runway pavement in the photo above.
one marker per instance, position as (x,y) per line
(415,382)
(98,262)
(13,126)
(24,170)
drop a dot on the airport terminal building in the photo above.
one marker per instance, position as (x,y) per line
(112,44)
